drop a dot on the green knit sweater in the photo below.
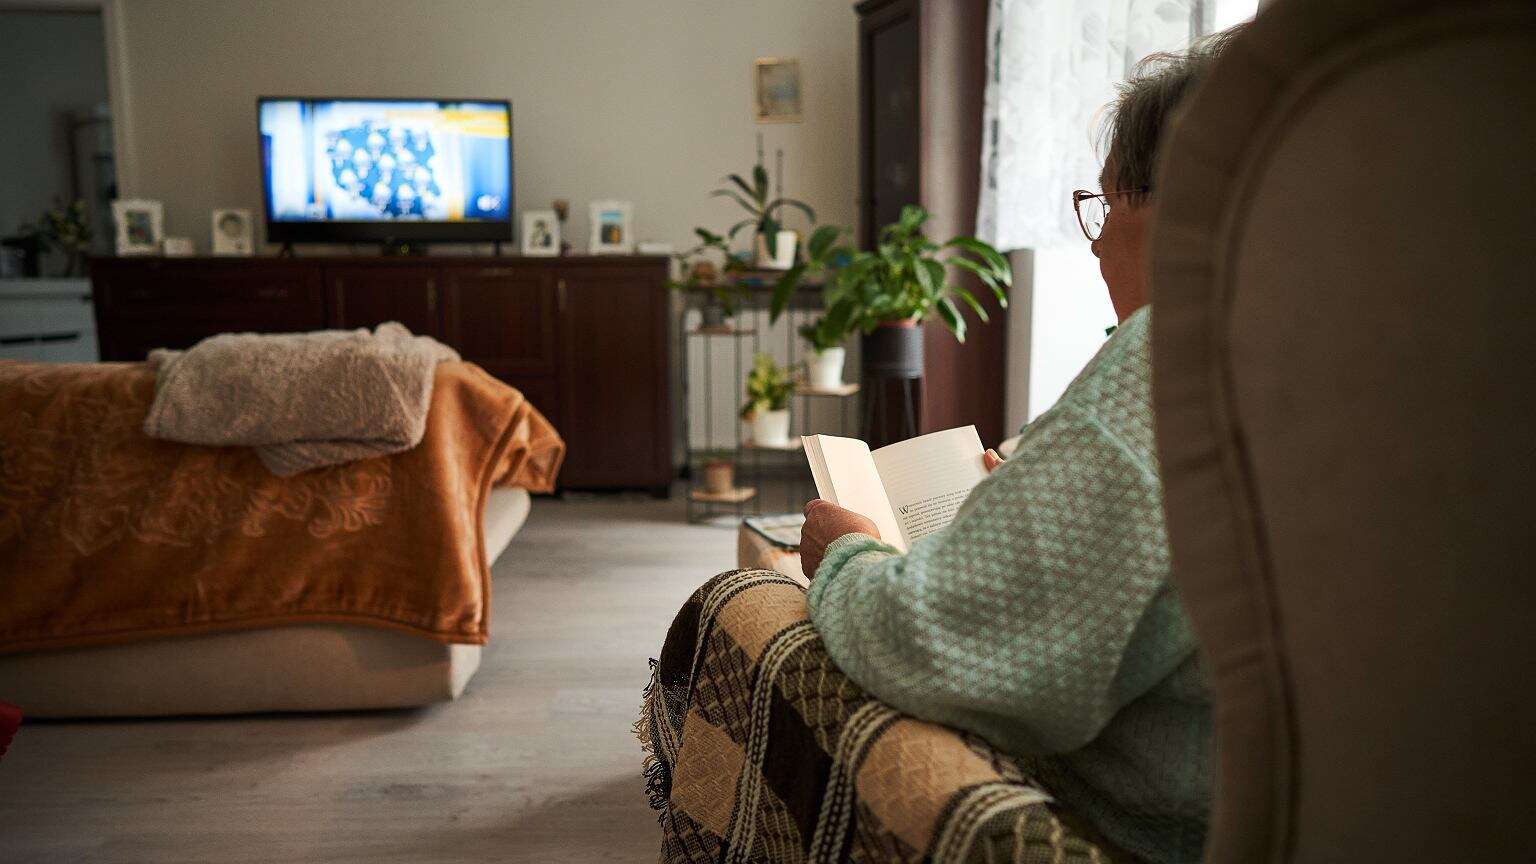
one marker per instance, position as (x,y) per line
(1043,618)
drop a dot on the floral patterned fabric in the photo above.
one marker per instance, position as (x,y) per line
(107,535)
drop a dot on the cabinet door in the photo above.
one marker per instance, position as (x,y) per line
(613,343)
(889,64)
(502,318)
(542,393)
(166,303)
(363,296)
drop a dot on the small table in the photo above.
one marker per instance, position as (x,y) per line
(771,542)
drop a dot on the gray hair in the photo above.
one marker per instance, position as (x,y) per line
(1145,106)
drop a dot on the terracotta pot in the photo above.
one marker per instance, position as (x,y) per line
(719,476)
(894,350)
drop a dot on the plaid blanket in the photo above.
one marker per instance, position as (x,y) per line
(760,750)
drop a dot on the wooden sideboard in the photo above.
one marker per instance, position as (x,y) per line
(585,338)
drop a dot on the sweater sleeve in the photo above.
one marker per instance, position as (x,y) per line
(1033,617)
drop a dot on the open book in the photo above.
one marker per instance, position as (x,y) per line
(909,489)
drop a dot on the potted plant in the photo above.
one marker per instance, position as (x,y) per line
(719,470)
(767,408)
(886,292)
(764,214)
(700,275)
(826,336)
(66,229)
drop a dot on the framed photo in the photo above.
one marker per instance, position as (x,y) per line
(541,232)
(140,226)
(613,227)
(233,232)
(776,89)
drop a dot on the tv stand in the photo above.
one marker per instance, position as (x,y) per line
(586,339)
(392,248)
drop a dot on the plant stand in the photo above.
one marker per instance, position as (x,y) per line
(769,479)
(879,428)
(893,360)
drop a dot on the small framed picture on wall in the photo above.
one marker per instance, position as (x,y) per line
(140,226)
(776,90)
(613,227)
(541,232)
(233,232)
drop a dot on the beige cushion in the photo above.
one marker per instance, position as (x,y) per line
(1345,384)
(303,667)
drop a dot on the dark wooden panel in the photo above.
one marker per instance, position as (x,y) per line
(159,288)
(922,76)
(890,116)
(594,363)
(131,339)
(617,412)
(502,318)
(962,383)
(541,393)
(142,304)
(369,296)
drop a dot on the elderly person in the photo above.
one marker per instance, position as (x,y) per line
(1043,618)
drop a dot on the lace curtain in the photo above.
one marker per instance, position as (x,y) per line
(1052,67)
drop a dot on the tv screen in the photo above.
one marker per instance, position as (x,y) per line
(386,169)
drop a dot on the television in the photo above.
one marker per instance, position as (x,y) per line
(387,170)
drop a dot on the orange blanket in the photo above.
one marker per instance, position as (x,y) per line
(107,535)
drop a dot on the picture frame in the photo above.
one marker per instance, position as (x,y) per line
(612,227)
(139,224)
(233,232)
(541,233)
(776,90)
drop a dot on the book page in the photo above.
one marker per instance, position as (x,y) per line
(927,478)
(845,475)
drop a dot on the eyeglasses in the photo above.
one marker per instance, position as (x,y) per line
(1093,208)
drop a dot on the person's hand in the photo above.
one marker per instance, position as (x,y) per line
(991,460)
(825,522)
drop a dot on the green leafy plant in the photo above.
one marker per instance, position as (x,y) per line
(765,214)
(825,332)
(769,386)
(726,293)
(905,277)
(66,228)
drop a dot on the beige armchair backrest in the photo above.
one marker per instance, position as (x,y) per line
(1345,379)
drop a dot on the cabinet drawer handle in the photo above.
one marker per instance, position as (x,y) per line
(270,293)
(560,296)
(431,295)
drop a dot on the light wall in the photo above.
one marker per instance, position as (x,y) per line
(643,101)
(51,64)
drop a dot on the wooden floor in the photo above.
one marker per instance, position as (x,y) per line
(535,763)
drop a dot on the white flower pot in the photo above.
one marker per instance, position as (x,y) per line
(827,369)
(771,428)
(784,250)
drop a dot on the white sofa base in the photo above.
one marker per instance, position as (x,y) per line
(299,667)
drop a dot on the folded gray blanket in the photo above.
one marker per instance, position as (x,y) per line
(303,400)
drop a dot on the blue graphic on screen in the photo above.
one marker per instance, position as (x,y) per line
(386,161)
